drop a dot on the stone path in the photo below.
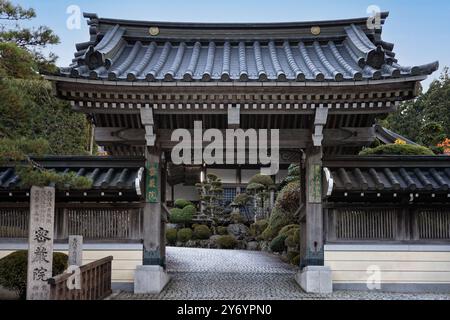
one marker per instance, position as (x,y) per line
(243,275)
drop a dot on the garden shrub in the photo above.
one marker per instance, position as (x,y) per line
(184,235)
(221,230)
(236,218)
(258,227)
(277,244)
(171,236)
(182,203)
(190,210)
(181,215)
(261,179)
(295,260)
(278,219)
(13,270)
(289,197)
(397,149)
(288,230)
(201,232)
(226,242)
(293,239)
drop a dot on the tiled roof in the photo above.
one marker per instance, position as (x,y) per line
(394,174)
(343,50)
(105,173)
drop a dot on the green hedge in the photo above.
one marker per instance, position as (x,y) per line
(182,203)
(201,232)
(277,244)
(184,235)
(222,230)
(171,236)
(397,149)
(258,227)
(181,215)
(13,270)
(226,242)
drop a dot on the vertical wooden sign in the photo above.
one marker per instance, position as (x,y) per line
(40,242)
(152,191)
(75,251)
(315,184)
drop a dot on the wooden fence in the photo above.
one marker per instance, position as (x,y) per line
(95,282)
(387,224)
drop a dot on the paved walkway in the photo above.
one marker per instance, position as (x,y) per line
(242,275)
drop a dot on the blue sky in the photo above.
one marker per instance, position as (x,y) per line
(420,29)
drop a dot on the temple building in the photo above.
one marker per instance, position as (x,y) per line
(322,84)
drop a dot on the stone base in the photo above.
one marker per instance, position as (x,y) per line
(150,279)
(315,279)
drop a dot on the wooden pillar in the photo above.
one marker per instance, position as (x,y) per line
(314,254)
(153,246)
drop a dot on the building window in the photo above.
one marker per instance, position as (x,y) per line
(228,195)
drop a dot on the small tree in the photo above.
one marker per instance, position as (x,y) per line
(259,188)
(211,195)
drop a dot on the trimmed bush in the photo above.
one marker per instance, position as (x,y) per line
(181,215)
(13,270)
(261,179)
(293,239)
(189,210)
(171,236)
(202,232)
(278,219)
(222,230)
(277,244)
(295,260)
(258,227)
(182,203)
(397,149)
(289,197)
(288,230)
(184,235)
(236,218)
(226,242)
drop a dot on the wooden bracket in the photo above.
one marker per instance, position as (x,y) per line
(319,122)
(148,122)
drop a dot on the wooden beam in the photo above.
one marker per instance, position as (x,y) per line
(289,138)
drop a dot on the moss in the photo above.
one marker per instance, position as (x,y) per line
(13,270)
(226,242)
(277,244)
(201,232)
(171,236)
(184,235)
(182,203)
(222,230)
(397,149)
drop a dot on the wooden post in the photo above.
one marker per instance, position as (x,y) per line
(76,251)
(314,213)
(153,251)
(40,242)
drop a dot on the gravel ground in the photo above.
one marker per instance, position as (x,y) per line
(203,274)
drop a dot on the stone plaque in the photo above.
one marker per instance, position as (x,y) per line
(75,251)
(40,242)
